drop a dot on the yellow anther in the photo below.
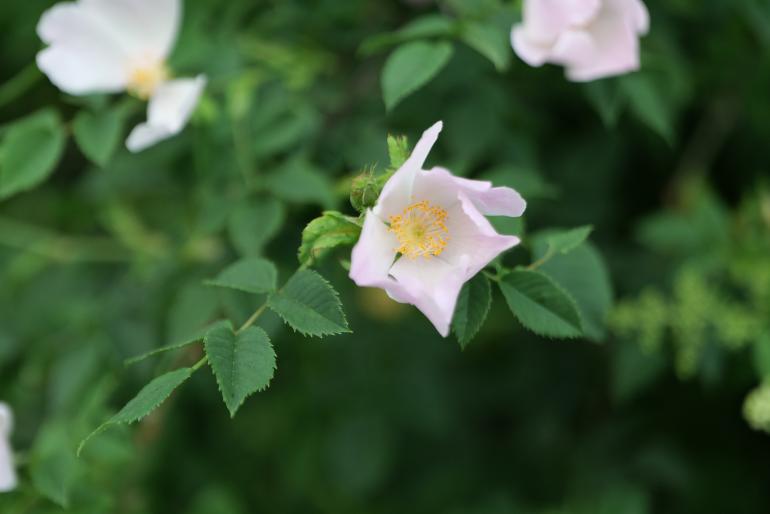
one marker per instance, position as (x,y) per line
(421,230)
(145,79)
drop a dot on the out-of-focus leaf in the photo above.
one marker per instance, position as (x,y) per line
(647,102)
(489,39)
(243,363)
(541,305)
(762,356)
(193,338)
(53,466)
(310,305)
(252,225)
(564,241)
(410,67)
(253,275)
(30,152)
(429,26)
(472,307)
(299,181)
(584,275)
(98,133)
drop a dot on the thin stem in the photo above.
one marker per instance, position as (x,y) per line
(20,84)
(542,260)
(200,363)
(58,247)
(254,317)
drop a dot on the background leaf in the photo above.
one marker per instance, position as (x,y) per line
(410,67)
(30,152)
(254,275)
(98,133)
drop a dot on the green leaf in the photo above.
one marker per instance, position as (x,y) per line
(648,103)
(251,226)
(243,364)
(194,337)
(410,67)
(762,356)
(30,151)
(53,465)
(310,305)
(253,275)
(192,308)
(607,98)
(472,307)
(299,181)
(148,399)
(432,25)
(490,40)
(323,234)
(98,134)
(398,151)
(584,275)
(565,241)
(541,305)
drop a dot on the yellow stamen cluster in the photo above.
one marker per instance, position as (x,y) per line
(421,230)
(145,79)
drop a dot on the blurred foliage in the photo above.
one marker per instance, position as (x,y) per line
(104,254)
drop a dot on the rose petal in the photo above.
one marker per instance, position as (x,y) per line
(169,111)
(83,57)
(440,187)
(374,253)
(397,193)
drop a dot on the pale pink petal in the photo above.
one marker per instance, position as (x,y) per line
(83,57)
(397,193)
(575,48)
(440,187)
(374,253)
(474,242)
(617,50)
(543,20)
(532,52)
(8,481)
(581,12)
(432,285)
(146,29)
(640,16)
(169,111)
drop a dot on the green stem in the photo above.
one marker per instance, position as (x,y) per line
(254,317)
(198,365)
(19,84)
(542,260)
(57,247)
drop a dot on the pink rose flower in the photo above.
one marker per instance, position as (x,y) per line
(592,39)
(427,234)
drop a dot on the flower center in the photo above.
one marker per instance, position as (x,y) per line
(421,230)
(145,79)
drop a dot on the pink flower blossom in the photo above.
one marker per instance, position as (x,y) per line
(592,39)
(427,234)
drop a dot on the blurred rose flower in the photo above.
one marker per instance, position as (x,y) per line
(109,46)
(7,471)
(427,235)
(592,39)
